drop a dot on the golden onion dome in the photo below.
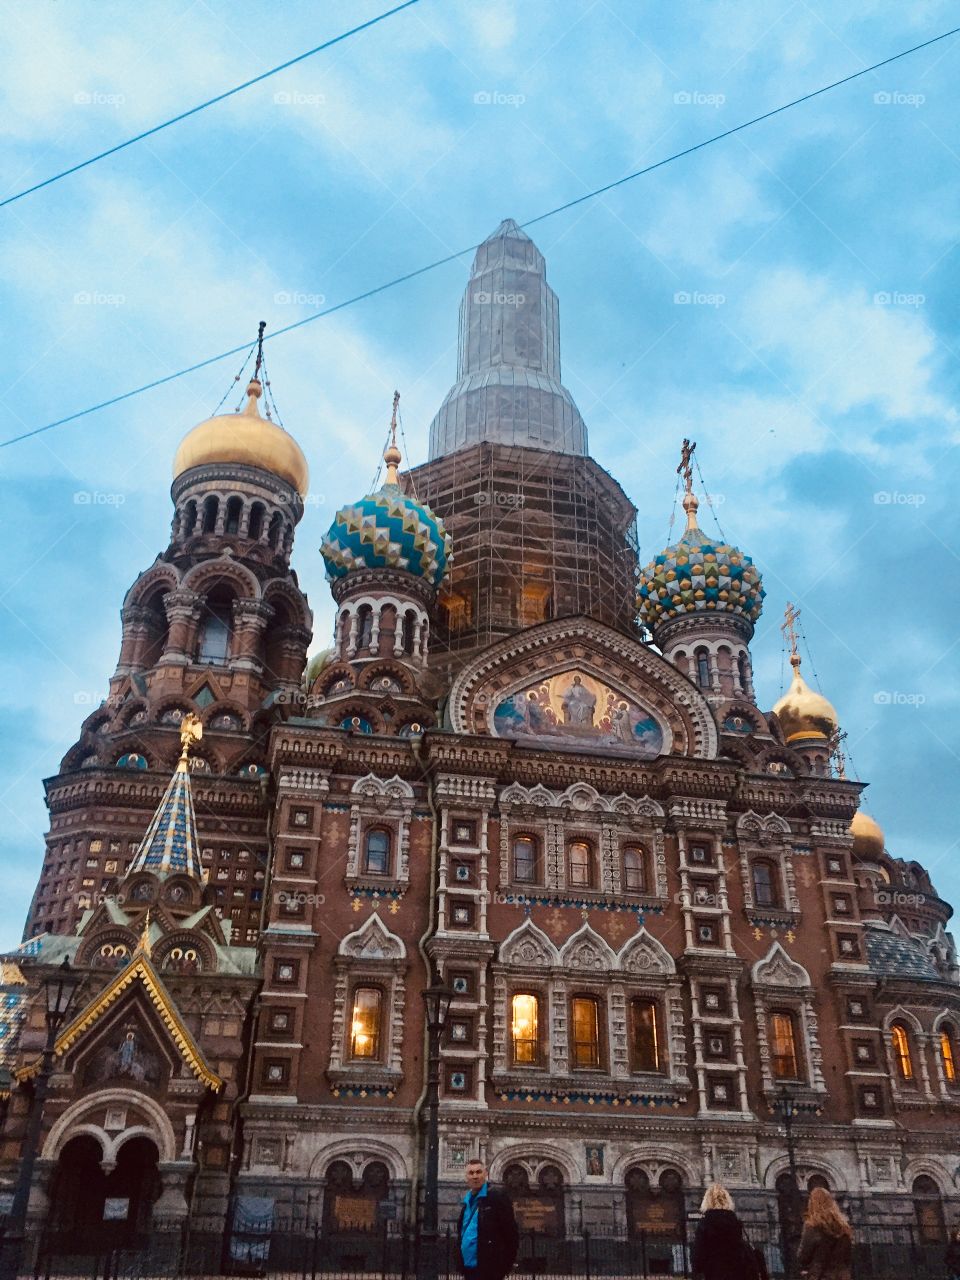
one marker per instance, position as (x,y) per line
(245,438)
(802,712)
(867,836)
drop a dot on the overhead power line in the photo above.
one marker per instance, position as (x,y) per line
(210,102)
(452,257)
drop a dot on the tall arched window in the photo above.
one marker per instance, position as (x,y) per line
(211,507)
(948,1053)
(234,510)
(376,852)
(765,884)
(525,860)
(585,1029)
(216,626)
(409,630)
(928,1206)
(364,626)
(902,1058)
(742,670)
(580,864)
(365,1024)
(645,1036)
(634,869)
(273,533)
(703,669)
(255,527)
(189,519)
(525,1029)
(783,1046)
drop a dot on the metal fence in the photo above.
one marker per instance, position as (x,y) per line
(294,1251)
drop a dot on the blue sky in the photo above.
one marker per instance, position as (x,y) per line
(816,364)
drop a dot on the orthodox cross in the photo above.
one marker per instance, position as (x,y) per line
(685,469)
(788,627)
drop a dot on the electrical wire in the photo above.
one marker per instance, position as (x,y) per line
(452,257)
(202,106)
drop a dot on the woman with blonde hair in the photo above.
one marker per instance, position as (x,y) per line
(720,1249)
(826,1245)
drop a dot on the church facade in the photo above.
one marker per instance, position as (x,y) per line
(528,761)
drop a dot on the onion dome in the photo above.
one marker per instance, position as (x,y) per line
(867,837)
(245,438)
(802,712)
(698,575)
(316,664)
(388,530)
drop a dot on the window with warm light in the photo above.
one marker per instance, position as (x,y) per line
(902,1058)
(524,1029)
(634,870)
(646,1036)
(585,1021)
(948,1055)
(783,1046)
(580,864)
(765,885)
(376,852)
(525,860)
(365,1024)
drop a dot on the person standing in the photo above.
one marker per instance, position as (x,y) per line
(721,1251)
(952,1259)
(487,1229)
(826,1246)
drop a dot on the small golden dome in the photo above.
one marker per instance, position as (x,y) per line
(867,836)
(803,713)
(245,438)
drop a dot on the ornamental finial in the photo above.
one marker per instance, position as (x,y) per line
(191,731)
(690,502)
(145,935)
(789,629)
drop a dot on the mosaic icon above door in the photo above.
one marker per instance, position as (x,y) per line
(576,709)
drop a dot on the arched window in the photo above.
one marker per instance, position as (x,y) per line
(211,508)
(364,626)
(634,869)
(234,511)
(255,527)
(948,1054)
(365,1024)
(189,519)
(409,630)
(765,885)
(585,1028)
(742,671)
(376,852)
(928,1206)
(525,860)
(703,669)
(525,1029)
(783,1046)
(645,1037)
(580,864)
(902,1058)
(216,626)
(273,534)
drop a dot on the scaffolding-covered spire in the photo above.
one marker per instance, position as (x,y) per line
(508,372)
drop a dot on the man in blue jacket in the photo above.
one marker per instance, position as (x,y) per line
(487,1229)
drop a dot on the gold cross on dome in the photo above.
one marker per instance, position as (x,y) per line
(788,626)
(685,469)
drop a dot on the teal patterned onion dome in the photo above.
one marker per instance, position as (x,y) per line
(388,530)
(696,575)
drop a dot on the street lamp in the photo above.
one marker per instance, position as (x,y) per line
(60,989)
(786,1105)
(436,999)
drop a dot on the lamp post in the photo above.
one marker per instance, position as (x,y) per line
(436,999)
(60,989)
(786,1105)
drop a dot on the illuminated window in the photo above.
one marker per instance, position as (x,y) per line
(365,1024)
(525,860)
(524,1029)
(634,870)
(764,885)
(947,1056)
(376,852)
(783,1046)
(580,863)
(646,1036)
(586,1031)
(900,1043)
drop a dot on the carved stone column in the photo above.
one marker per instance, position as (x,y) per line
(183,613)
(250,618)
(136,620)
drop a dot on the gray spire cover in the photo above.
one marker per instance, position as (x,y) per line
(508,371)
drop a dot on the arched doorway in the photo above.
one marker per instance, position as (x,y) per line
(656,1216)
(928,1209)
(538,1206)
(78,1188)
(132,1188)
(350,1207)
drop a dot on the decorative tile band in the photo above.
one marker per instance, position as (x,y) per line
(579,904)
(565,1097)
(363,1091)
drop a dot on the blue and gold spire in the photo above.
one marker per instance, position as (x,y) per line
(170,844)
(388,530)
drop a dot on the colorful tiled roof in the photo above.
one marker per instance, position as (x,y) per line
(699,575)
(387,530)
(890,955)
(170,844)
